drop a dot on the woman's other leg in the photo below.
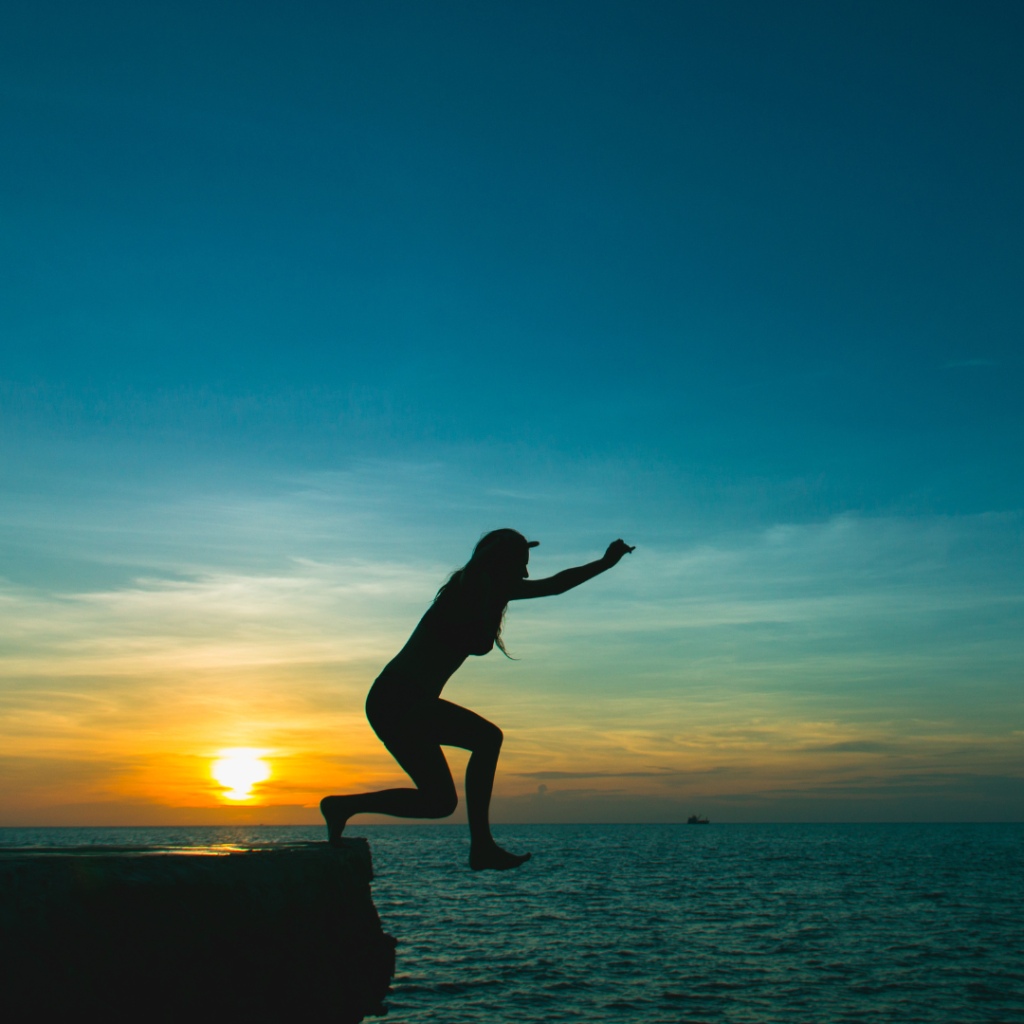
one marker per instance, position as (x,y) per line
(455,726)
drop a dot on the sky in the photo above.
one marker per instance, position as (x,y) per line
(299,299)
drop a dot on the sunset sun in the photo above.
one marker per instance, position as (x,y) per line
(238,770)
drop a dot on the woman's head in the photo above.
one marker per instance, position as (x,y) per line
(501,554)
(499,558)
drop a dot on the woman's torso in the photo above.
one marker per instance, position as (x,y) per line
(440,643)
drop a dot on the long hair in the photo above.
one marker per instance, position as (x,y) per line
(476,583)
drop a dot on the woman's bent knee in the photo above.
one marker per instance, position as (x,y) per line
(486,739)
(495,737)
(440,805)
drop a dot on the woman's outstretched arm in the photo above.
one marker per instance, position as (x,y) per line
(569,578)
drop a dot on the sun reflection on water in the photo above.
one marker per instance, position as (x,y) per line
(238,770)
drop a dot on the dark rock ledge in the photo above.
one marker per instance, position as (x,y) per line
(223,933)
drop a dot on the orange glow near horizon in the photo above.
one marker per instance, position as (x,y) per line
(238,770)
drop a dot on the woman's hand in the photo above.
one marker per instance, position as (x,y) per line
(616,550)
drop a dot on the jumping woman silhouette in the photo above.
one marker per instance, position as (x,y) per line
(404,705)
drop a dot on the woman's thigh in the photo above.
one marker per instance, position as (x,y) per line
(455,726)
(415,742)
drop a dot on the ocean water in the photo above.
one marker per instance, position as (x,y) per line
(668,923)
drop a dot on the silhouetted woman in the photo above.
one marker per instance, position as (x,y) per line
(404,705)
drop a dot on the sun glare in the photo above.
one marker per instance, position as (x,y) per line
(238,770)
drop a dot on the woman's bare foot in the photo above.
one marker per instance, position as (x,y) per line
(491,856)
(336,811)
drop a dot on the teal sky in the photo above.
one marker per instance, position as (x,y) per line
(299,299)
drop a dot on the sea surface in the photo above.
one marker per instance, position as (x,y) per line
(765,923)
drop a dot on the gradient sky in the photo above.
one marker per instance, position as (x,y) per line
(298,299)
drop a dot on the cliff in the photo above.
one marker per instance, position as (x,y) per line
(255,933)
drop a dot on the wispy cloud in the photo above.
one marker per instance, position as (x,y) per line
(853,747)
(555,776)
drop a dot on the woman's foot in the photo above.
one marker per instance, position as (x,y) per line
(490,856)
(336,811)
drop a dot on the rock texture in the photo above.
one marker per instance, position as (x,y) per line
(247,934)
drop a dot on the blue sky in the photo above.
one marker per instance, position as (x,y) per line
(298,299)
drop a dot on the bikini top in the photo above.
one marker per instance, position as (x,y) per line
(439,644)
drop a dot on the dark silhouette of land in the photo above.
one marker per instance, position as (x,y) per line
(405,708)
(129,934)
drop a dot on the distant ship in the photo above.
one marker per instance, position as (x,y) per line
(694,819)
